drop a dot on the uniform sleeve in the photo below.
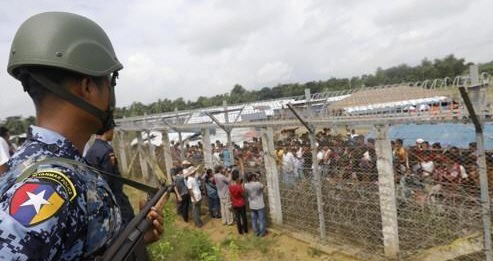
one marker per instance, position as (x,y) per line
(40,219)
(103,217)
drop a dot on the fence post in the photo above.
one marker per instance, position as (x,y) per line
(143,163)
(318,187)
(386,191)
(123,153)
(180,138)
(207,149)
(477,95)
(272,176)
(229,146)
(152,155)
(308,99)
(168,158)
(152,149)
(316,171)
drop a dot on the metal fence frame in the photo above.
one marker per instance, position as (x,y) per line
(304,115)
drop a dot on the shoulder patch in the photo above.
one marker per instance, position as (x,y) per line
(59,178)
(33,203)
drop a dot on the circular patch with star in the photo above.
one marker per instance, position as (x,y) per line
(34,203)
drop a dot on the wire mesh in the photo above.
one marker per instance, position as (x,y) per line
(435,170)
(436,99)
(437,184)
(438,194)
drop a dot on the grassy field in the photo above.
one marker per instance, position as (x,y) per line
(215,242)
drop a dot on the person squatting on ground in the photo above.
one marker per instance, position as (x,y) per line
(237,193)
(254,190)
(222,183)
(52,206)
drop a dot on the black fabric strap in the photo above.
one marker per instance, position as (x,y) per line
(27,171)
(68,96)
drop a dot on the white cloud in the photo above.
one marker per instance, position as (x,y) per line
(272,73)
(187,49)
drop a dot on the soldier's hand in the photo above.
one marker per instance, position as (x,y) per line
(156,219)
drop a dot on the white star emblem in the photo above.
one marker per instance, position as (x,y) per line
(36,200)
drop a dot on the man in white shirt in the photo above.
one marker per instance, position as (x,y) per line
(195,193)
(4,149)
(323,159)
(289,166)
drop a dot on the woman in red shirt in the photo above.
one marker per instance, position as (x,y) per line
(237,191)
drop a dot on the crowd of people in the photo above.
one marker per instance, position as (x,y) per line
(422,170)
(227,192)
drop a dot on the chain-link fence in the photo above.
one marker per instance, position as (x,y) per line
(438,190)
(399,177)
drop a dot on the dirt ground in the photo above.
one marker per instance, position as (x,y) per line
(283,247)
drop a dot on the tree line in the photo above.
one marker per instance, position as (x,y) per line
(449,66)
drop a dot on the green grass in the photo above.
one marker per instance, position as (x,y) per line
(183,244)
(248,243)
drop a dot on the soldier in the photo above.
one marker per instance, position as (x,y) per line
(53,207)
(101,156)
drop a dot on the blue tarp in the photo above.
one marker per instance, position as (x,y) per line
(448,134)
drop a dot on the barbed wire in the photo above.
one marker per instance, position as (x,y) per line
(436,185)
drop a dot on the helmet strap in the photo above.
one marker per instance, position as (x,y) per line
(106,117)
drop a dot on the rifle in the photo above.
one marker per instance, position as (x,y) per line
(124,245)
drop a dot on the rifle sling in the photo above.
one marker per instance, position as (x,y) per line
(140,186)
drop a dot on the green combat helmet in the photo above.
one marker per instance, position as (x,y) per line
(70,42)
(63,40)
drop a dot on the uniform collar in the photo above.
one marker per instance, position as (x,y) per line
(46,136)
(55,141)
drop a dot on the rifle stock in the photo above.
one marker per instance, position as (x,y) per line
(132,235)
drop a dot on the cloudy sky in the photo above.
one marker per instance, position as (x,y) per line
(197,48)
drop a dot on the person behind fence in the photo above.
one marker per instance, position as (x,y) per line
(193,186)
(227,156)
(323,158)
(212,195)
(183,203)
(58,208)
(4,149)
(237,193)
(222,183)
(289,165)
(255,192)
(401,157)
(101,156)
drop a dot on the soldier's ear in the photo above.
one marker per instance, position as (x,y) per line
(80,87)
(88,88)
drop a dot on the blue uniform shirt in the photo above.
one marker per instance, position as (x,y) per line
(98,156)
(54,210)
